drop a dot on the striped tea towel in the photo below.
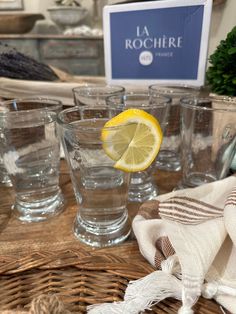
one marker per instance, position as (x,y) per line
(190,236)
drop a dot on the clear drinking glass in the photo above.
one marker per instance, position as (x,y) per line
(101,190)
(4,177)
(90,95)
(30,149)
(208,132)
(142,186)
(169,155)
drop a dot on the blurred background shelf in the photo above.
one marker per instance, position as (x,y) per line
(18,23)
(77,55)
(90,58)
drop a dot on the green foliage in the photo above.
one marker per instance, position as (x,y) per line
(221,74)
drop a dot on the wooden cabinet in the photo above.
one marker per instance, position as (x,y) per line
(75,55)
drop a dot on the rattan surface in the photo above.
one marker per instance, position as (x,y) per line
(78,278)
(45,258)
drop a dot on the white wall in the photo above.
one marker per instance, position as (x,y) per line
(223,17)
(223,20)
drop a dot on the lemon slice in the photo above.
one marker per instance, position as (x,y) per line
(132,139)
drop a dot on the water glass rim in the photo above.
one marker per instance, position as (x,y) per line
(196,103)
(96,87)
(164,100)
(52,105)
(83,128)
(174,89)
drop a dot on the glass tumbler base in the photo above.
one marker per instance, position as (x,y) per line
(38,211)
(168,161)
(103,235)
(141,193)
(194,180)
(171,166)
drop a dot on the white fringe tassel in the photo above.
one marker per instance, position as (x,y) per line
(141,294)
(213,289)
(188,302)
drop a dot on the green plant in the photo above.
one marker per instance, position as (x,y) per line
(69,3)
(221,75)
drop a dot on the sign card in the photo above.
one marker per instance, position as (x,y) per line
(163,42)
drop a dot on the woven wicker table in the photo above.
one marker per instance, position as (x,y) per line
(45,258)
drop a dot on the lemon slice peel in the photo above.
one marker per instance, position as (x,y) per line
(136,141)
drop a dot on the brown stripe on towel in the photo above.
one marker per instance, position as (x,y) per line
(205,207)
(181,219)
(164,249)
(149,210)
(188,210)
(158,259)
(191,211)
(231,203)
(231,199)
(163,244)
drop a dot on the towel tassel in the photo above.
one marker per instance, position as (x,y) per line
(143,293)
(214,289)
